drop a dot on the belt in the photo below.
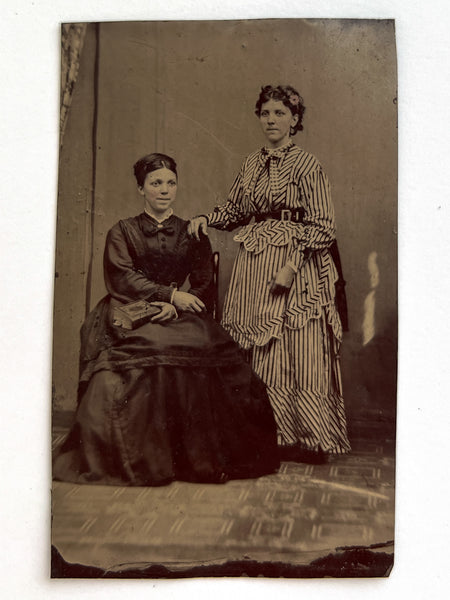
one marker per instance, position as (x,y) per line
(294,215)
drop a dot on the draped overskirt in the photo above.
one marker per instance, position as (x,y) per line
(294,342)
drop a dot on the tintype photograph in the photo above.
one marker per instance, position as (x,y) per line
(225,300)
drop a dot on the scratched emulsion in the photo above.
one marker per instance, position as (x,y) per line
(368,325)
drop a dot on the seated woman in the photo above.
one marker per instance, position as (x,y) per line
(172,399)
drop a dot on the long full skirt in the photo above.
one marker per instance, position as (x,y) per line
(294,342)
(163,403)
(302,374)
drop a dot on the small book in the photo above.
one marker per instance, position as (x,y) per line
(134,314)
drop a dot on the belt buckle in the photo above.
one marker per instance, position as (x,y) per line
(285,214)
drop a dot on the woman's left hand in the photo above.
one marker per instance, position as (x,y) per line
(168,312)
(281,284)
(187,302)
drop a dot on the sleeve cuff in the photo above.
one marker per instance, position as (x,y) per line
(293,265)
(212,218)
(164,293)
(174,289)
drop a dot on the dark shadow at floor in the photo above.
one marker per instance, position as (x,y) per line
(356,562)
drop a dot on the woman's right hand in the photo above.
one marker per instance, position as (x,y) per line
(167,313)
(184,301)
(196,226)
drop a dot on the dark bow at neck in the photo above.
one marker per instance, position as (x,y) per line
(151,227)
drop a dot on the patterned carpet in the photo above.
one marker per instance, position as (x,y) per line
(301,514)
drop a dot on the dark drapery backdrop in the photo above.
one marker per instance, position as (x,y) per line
(188,89)
(72,39)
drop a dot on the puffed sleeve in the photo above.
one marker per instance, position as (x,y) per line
(235,211)
(123,281)
(201,275)
(318,230)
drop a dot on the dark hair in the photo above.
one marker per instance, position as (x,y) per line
(288,96)
(153,162)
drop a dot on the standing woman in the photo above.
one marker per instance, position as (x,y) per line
(280,304)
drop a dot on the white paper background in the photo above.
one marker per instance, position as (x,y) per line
(29,71)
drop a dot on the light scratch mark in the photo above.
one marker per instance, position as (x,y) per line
(368,325)
(216,139)
(348,488)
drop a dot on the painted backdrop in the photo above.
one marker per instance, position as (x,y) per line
(188,89)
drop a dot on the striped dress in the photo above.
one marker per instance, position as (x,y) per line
(294,338)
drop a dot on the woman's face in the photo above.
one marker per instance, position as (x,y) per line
(276,121)
(159,191)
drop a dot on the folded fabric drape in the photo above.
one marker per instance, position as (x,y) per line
(72,40)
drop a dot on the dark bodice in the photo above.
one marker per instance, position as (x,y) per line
(147,259)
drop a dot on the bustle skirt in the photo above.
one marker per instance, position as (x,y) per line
(294,343)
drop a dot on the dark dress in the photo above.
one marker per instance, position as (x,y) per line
(163,402)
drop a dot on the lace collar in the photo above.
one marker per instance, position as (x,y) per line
(166,216)
(276,152)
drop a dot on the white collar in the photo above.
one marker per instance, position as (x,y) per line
(168,214)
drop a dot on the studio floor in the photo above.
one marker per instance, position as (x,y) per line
(295,517)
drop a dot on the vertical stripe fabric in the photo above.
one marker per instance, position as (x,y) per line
(301,371)
(295,337)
